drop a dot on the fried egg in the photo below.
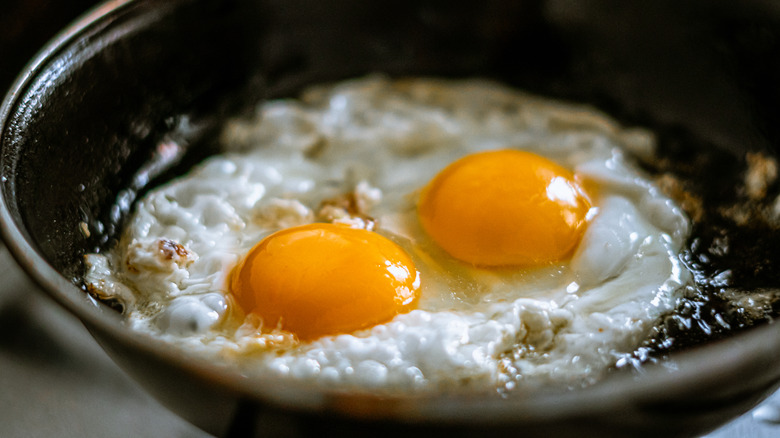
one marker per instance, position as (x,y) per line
(407,235)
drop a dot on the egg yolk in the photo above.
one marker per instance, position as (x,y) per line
(324,279)
(504,208)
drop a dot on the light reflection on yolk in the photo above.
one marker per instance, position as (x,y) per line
(325,279)
(504,208)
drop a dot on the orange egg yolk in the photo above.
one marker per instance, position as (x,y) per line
(504,208)
(324,279)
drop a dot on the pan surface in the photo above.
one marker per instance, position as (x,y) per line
(81,125)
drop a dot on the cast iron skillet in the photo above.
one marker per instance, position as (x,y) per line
(91,122)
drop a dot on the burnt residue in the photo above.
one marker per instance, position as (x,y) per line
(732,250)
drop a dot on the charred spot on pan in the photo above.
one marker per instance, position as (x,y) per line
(734,205)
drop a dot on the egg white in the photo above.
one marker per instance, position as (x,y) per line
(383,140)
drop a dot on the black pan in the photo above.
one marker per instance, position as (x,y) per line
(81,126)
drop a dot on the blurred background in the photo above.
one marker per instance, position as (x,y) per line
(26,25)
(56,380)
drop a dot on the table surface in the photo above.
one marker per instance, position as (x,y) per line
(56,380)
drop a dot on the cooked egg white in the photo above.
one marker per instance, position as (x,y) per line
(360,154)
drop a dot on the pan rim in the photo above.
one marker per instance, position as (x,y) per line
(693,369)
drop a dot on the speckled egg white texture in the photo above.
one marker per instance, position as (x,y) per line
(380,141)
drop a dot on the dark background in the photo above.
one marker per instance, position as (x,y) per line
(26,25)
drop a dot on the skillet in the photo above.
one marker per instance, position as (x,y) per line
(81,130)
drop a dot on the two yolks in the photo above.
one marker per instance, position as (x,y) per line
(489,209)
